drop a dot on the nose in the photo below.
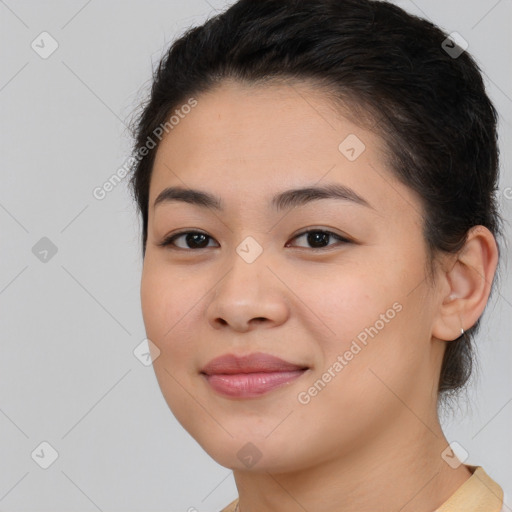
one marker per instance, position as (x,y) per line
(249,295)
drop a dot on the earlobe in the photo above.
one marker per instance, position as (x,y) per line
(468,281)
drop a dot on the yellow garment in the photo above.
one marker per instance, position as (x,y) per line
(479,493)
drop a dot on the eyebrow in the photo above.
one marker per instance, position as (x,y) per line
(282,201)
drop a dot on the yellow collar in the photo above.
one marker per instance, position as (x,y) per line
(479,493)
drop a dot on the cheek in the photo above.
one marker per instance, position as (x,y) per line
(154,295)
(167,301)
(344,300)
(367,318)
(167,306)
(380,354)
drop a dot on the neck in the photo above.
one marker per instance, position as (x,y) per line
(400,470)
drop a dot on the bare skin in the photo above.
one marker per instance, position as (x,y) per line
(370,440)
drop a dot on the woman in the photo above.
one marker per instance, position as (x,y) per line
(316,182)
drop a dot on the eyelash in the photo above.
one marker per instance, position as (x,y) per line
(169,241)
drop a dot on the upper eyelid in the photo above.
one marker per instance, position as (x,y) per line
(324,230)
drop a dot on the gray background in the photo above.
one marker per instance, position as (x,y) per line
(70,324)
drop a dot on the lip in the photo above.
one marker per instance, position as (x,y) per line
(249,376)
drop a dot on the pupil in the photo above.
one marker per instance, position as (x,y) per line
(317,236)
(190,237)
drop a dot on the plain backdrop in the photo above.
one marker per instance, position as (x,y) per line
(70,316)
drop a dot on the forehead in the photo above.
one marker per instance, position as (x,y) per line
(247,141)
(262,120)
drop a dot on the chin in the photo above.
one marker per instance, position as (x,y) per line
(255,454)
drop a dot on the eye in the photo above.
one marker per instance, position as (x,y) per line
(195,239)
(318,238)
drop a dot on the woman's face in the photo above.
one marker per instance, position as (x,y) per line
(357,312)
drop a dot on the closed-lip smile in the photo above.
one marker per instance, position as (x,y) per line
(249,376)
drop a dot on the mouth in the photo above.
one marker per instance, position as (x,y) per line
(249,376)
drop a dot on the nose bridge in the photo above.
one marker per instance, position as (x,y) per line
(247,266)
(248,290)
